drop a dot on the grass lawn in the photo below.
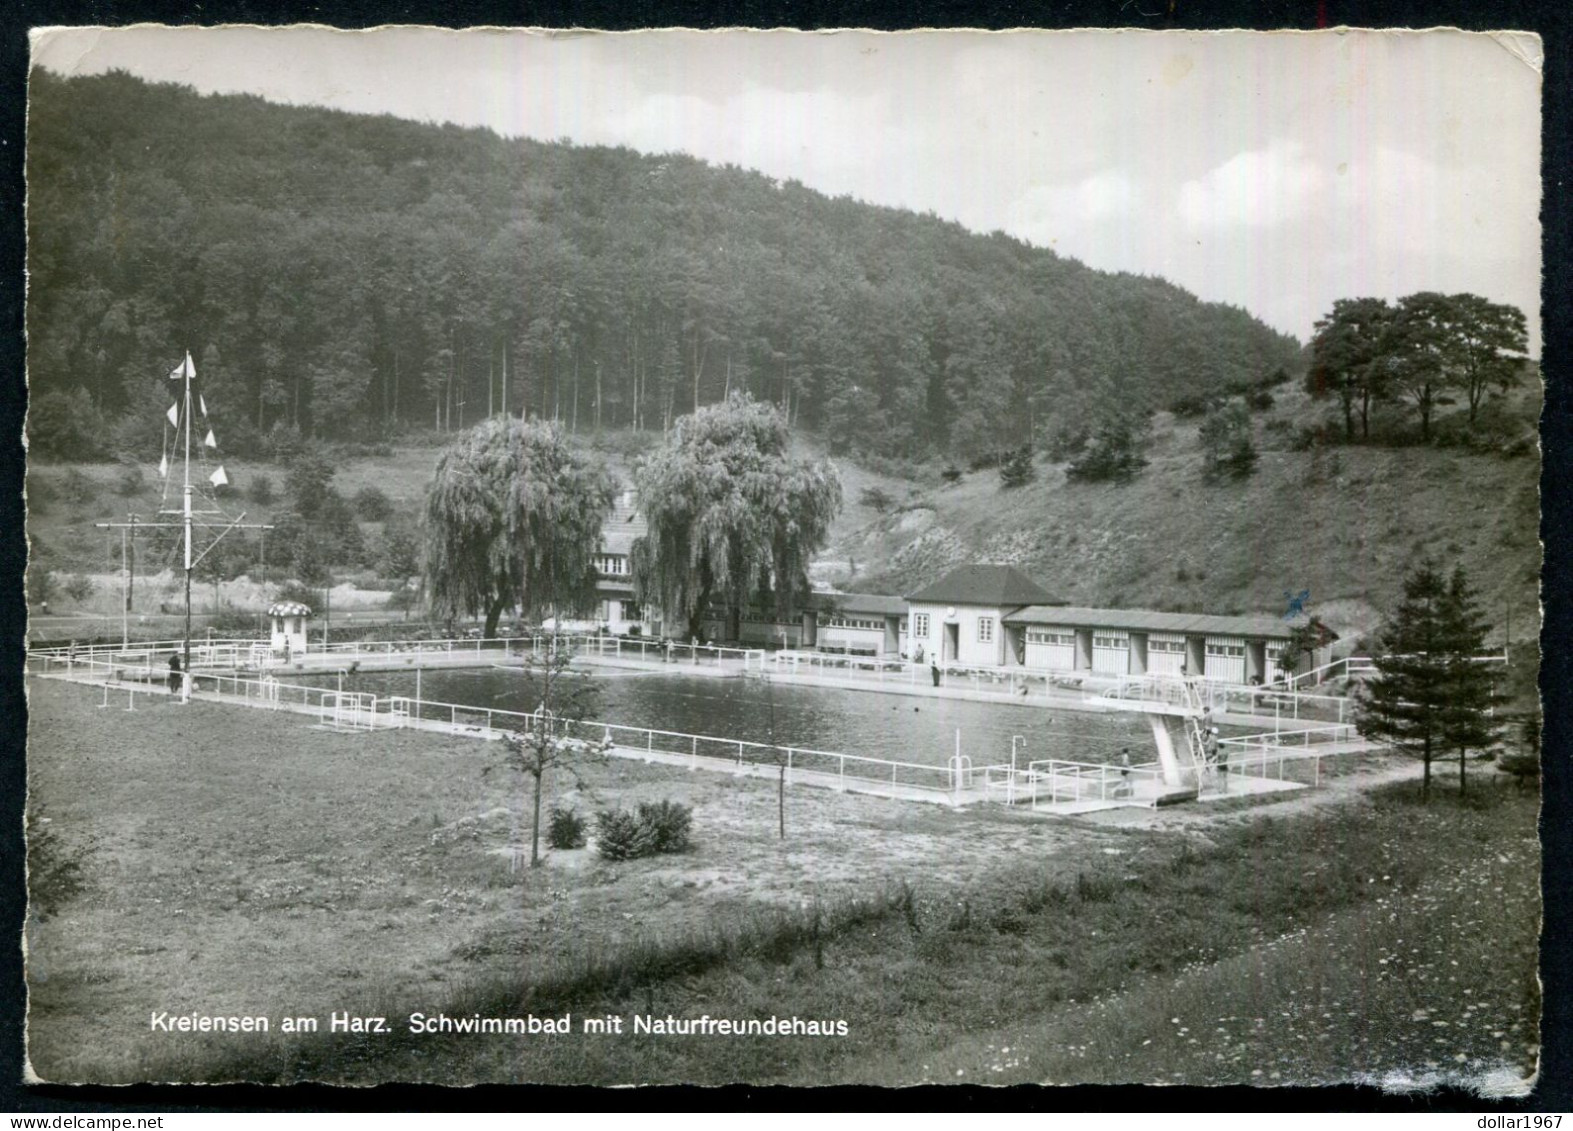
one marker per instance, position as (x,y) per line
(244,863)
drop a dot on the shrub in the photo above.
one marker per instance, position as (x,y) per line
(234,622)
(951,474)
(661,827)
(292,591)
(40,585)
(621,836)
(261,489)
(372,505)
(55,874)
(1259,399)
(65,425)
(1196,404)
(40,494)
(876,500)
(1017,469)
(130,482)
(1309,436)
(672,823)
(79,587)
(1067,439)
(78,488)
(565,828)
(1228,449)
(1115,452)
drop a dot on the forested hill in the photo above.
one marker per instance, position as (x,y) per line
(346,274)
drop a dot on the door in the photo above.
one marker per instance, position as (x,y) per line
(952,641)
(1256,661)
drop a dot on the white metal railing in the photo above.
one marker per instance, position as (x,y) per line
(1358,667)
(1272,755)
(363,710)
(1049,782)
(593,645)
(1014,682)
(1195,693)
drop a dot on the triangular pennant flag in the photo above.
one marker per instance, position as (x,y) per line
(201,400)
(174,415)
(210,441)
(218,478)
(163,466)
(184,369)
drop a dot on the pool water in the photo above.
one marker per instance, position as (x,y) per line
(872,724)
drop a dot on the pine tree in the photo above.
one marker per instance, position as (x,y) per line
(1406,702)
(1468,721)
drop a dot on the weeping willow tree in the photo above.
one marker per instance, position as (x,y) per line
(513,517)
(730,515)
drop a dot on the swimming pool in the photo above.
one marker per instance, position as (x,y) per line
(866,723)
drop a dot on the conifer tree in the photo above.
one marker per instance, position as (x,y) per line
(1406,702)
(1468,720)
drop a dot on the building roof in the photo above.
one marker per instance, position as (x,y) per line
(288,609)
(995,586)
(1144,620)
(876,603)
(623,526)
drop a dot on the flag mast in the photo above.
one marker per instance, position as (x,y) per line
(188,521)
(188,370)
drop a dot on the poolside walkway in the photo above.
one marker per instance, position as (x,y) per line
(1059,789)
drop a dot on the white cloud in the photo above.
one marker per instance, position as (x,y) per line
(1047,214)
(820,137)
(1256,189)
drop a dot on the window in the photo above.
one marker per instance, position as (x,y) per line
(920,625)
(1220,649)
(985,630)
(855,622)
(1109,642)
(1044,636)
(1175,646)
(613,564)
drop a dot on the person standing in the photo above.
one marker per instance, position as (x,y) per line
(934,669)
(174,673)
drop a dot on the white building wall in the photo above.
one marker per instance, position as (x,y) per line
(1052,647)
(1111,652)
(1165,653)
(969,649)
(1225,659)
(850,638)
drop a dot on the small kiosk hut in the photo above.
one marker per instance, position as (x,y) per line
(287,620)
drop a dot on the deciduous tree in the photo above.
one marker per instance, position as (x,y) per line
(555,738)
(729,512)
(1346,354)
(513,517)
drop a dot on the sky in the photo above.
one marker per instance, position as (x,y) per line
(1274,171)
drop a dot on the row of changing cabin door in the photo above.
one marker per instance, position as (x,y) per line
(1112,652)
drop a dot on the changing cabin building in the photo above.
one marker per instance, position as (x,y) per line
(991,616)
(960,619)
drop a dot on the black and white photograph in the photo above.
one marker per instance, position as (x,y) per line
(783,558)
